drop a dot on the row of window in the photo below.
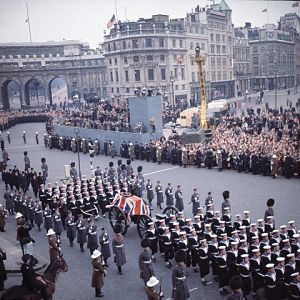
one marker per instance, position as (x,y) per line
(281,59)
(218,49)
(129,90)
(179,73)
(143,43)
(213,62)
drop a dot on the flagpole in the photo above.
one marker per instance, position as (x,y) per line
(268,11)
(28,21)
(116,9)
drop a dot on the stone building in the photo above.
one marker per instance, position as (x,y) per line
(31,68)
(272,58)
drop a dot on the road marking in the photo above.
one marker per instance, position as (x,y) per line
(25,146)
(164,170)
(191,290)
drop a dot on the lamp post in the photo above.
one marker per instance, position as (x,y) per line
(172,80)
(76,131)
(275,85)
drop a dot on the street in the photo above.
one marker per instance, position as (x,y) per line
(247,191)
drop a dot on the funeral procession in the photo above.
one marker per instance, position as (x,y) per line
(150,151)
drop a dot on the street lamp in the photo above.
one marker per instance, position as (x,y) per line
(172,80)
(76,131)
(275,84)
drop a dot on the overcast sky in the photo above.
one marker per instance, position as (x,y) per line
(54,20)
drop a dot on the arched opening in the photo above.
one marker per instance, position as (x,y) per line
(11,95)
(35,93)
(58,91)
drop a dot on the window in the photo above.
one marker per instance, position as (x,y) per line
(218,39)
(150,74)
(110,61)
(193,76)
(114,46)
(271,59)
(255,60)
(211,37)
(161,43)
(117,76)
(191,46)
(135,44)
(219,75)
(136,58)
(255,49)
(223,49)
(174,43)
(108,48)
(174,57)
(111,77)
(148,43)
(202,46)
(223,38)
(162,57)
(126,76)
(212,48)
(218,62)
(176,87)
(149,57)
(137,75)
(163,74)
(180,43)
(182,74)
(176,73)
(124,44)
(125,60)
(118,90)
(116,61)
(212,62)
(224,75)
(127,90)
(218,49)
(224,62)
(213,76)
(183,87)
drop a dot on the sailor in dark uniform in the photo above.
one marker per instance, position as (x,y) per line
(167,247)
(223,270)
(209,213)
(193,244)
(244,271)
(275,252)
(175,235)
(151,234)
(238,222)
(255,270)
(213,254)
(203,261)
(183,245)
(270,283)
(294,286)
(265,259)
(269,225)
(290,268)
(280,277)
(295,243)
(291,230)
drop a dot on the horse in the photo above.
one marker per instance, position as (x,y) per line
(50,276)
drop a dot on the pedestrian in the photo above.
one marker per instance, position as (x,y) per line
(149,189)
(3,216)
(99,273)
(38,214)
(169,195)
(54,248)
(71,228)
(118,248)
(226,202)
(92,242)
(150,291)
(105,247)
(26,161)
(3,275)
(159,195)
(145,261)
(179,199)
(5,157)
(48,222)
(37,137)
(179,276)
(236,285)
(24,137)
(81,232)
(57,223)
(8,137)
(195,200)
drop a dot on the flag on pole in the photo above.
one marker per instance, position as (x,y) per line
(265,10)
(296,4)
(111,22)
(27,20)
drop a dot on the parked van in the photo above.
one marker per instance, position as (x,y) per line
(187,116)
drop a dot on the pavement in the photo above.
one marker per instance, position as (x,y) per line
(247,192)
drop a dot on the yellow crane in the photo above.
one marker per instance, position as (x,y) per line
(200,60)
